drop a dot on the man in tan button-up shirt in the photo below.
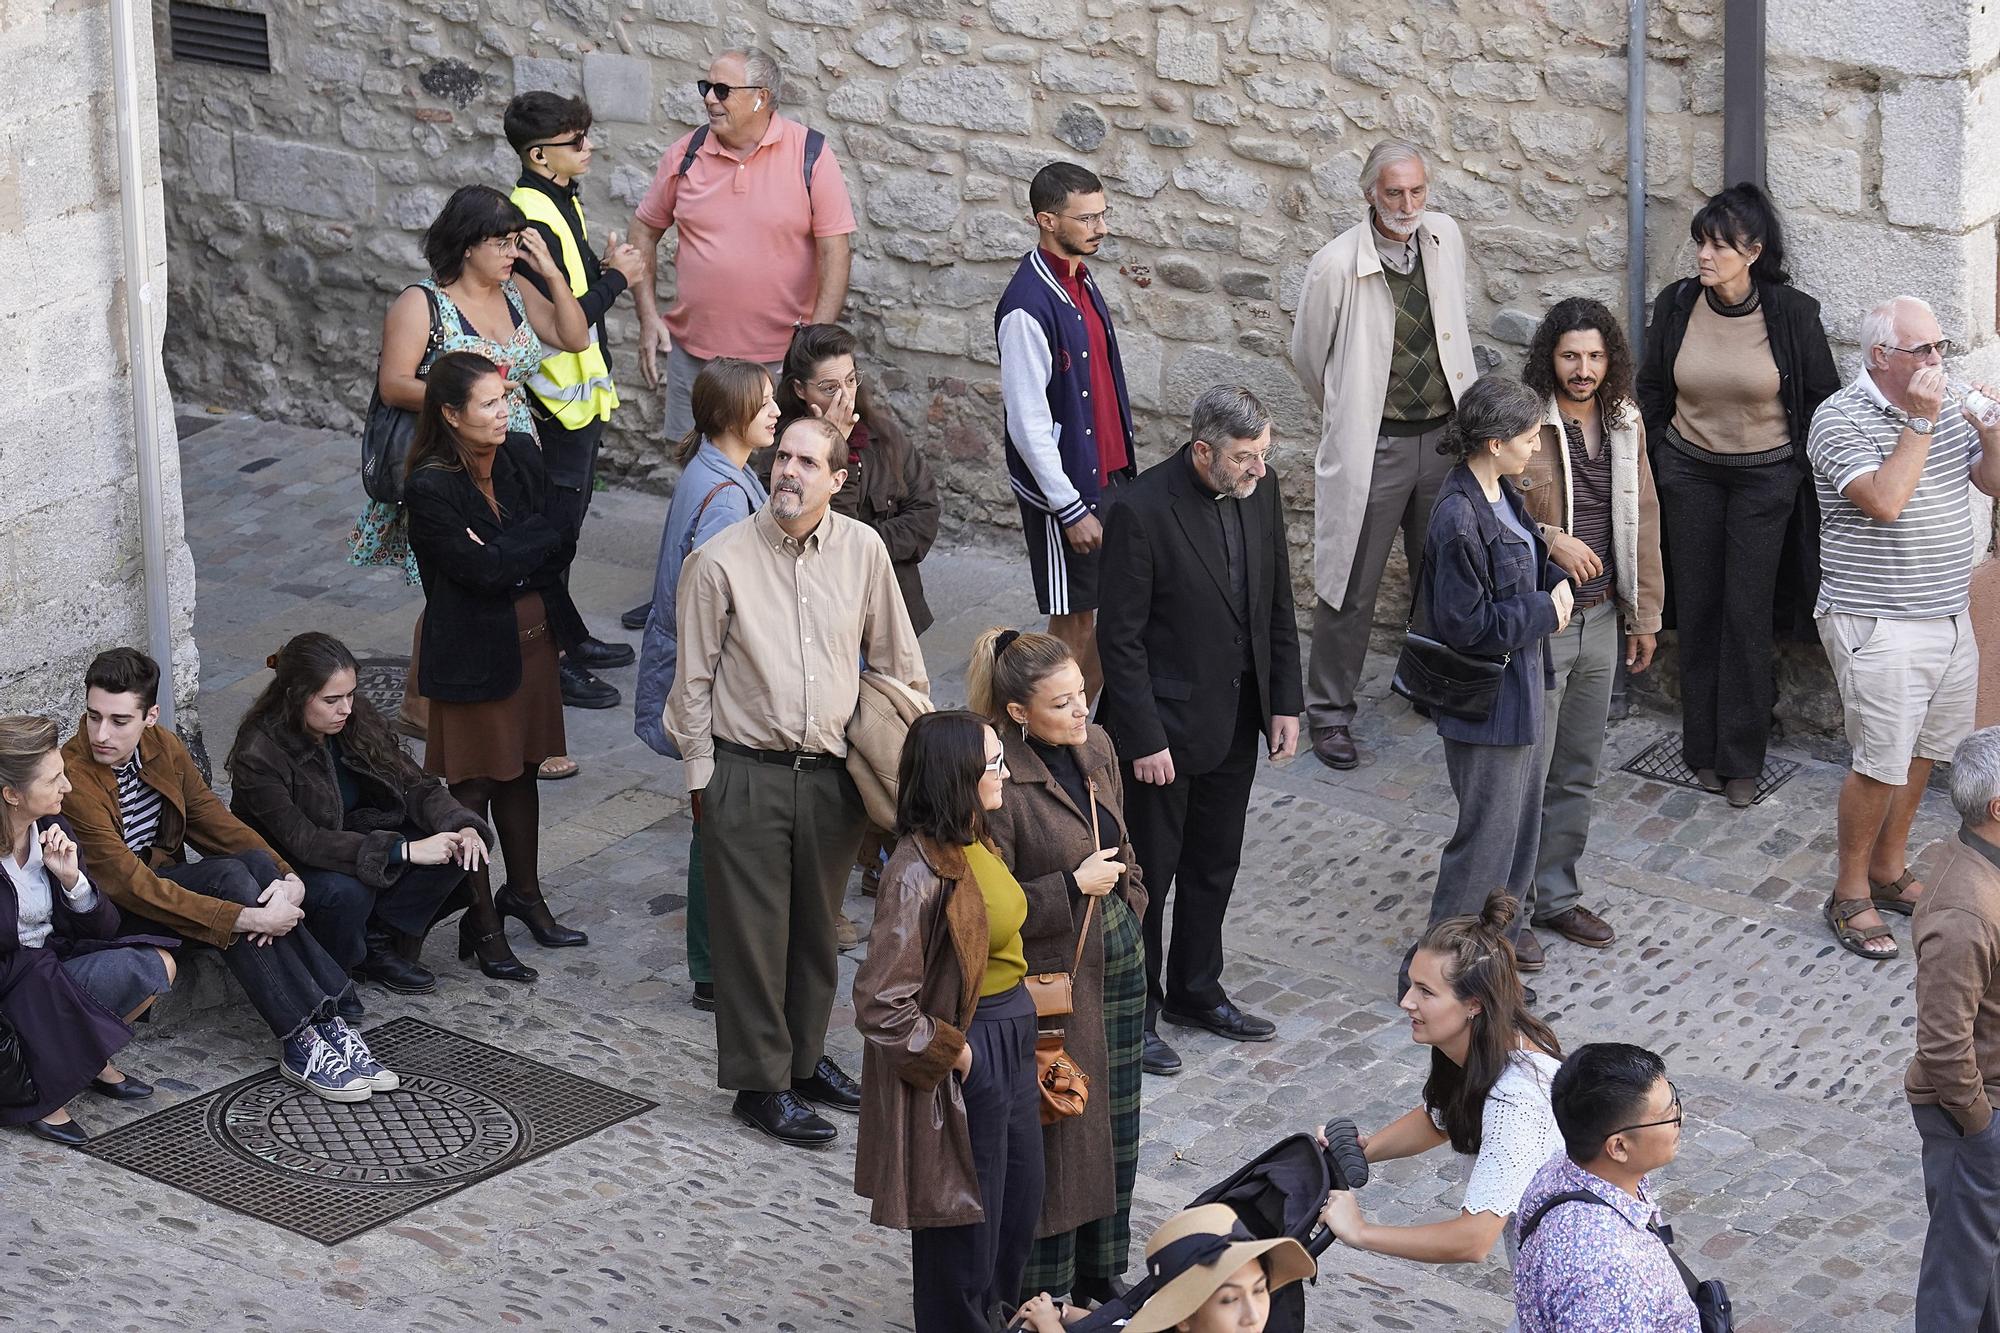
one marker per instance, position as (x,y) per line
(775,616)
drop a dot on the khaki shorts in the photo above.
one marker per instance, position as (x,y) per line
(1909,687)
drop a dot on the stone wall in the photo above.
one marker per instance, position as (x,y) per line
(1229,133)
(70,573)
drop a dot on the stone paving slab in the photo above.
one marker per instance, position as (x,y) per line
(1797,1181)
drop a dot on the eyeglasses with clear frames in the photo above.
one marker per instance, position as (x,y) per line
(1098,219)
(997,764)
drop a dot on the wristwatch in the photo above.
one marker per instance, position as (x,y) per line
(1922,425)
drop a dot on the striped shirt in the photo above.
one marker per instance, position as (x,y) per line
(1919,567)
(138,808)
(1590,504)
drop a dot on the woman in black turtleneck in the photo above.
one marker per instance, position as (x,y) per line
(1061,771)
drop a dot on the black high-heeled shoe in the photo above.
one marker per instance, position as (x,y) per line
(495,958)
(541,923)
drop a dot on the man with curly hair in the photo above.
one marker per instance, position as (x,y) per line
(1590,490)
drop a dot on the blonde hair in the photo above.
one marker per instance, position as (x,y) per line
(1001,674)
(24,741)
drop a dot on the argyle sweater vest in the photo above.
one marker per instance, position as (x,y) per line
(1418,390)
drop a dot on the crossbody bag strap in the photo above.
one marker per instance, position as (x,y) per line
(1090,908)
(694,524)
(1527,1229)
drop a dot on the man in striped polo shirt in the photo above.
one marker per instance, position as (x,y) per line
(1893,462)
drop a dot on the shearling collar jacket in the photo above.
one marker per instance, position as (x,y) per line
(1549,492)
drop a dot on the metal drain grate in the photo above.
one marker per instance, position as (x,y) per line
(273,1151)
(1662,762)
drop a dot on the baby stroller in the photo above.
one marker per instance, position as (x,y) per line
(1278,1193)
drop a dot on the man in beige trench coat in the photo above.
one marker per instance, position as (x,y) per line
(1381,347)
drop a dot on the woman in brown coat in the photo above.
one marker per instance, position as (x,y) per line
(951,1142)
(1031,688)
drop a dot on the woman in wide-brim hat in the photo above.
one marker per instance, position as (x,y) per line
(1213,1276)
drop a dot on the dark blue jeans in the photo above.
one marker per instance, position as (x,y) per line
(341,910)
(290,981)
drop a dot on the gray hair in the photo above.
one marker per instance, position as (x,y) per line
(1878,326)
(1227,412)
(1387,154)
(1496,407)
(760,70)
(1975,775)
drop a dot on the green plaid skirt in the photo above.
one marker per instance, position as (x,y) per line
(1103,1248)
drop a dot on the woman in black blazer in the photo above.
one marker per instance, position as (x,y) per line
(495,612)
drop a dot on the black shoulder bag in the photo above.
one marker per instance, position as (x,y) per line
(1711,1298)
(17,1085)
(387,431)
(1437,678)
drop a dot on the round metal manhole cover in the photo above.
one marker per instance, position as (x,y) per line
(425,1133)
(380,682)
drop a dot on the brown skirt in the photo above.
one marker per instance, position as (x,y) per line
(503,738)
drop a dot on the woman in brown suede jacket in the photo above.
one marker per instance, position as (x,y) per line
(1031,688)
(950,1145)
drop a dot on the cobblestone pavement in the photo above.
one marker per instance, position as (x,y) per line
(1797,1182)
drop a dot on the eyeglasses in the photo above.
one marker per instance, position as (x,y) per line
(1100,218)
(997,764)
(1674,1120)
(1943,347)
(722,91)
(578,139)
(504,243)
(832,387)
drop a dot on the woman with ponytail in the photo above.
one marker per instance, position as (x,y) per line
(735,414)
(1068,855)
(1492,1063)
(1487,588)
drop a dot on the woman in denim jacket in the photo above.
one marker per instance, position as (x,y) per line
(1488,587)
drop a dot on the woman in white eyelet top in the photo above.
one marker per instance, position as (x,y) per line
(1492,1063)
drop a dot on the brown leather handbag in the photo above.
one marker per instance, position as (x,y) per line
(1065,1088)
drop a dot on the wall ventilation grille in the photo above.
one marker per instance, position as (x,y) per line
(219,36)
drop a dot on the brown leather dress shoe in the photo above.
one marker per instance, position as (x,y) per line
(1335,748)
(1580,925)
(1528,953)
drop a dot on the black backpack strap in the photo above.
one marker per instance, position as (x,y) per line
(1534,1219)
(815,143)
(695,141)
(1661,1234)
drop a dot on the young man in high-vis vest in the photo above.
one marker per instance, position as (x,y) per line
(573,392)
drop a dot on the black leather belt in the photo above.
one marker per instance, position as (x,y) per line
(799,761)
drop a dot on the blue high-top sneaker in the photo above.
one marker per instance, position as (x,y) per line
(321,1069)
(360,1059)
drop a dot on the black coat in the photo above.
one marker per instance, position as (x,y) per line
(471,651)
(1806,377)
(68,1035)
(1168,631)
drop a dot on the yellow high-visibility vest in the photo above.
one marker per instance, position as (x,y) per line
(575,387)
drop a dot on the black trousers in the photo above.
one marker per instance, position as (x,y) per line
(570,456)
(1725,534)
(959,1273)
(290,981)
(1188,836)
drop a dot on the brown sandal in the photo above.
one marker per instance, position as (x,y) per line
(1839,911)
(556,767)
(1889,897)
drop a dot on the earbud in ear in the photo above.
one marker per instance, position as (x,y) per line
(757,105)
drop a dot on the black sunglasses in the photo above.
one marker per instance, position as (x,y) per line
(570,142)
(721,90)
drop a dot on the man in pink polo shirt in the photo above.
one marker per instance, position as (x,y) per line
(761,250)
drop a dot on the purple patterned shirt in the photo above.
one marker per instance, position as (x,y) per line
(1588,1269)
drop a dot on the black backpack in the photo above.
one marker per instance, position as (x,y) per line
(815,141)
(1711,1298)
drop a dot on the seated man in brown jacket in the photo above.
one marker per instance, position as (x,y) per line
(137,804)
(1955,1078)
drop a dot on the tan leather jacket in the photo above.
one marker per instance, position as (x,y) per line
(914,997)
(1546,489)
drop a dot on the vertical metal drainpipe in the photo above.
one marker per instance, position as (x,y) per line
(139,309)
(1635,175)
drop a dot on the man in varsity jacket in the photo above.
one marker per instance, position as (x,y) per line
(1069,425)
